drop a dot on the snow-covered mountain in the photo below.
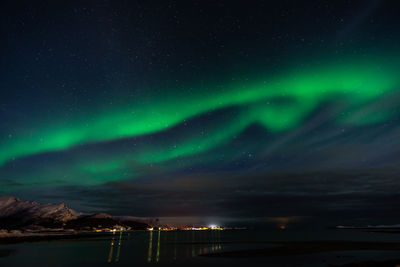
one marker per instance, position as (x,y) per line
(18,213)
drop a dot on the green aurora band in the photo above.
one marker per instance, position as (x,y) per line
(279,103)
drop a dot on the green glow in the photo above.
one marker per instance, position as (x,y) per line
(101,167)
(356,82)
(194,144)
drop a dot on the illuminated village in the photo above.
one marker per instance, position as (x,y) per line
(118,228)
(187,228)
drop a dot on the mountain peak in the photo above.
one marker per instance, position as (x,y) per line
(19,214)
(13,207)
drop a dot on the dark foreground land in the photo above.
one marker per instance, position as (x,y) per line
(300,248)
(297,248)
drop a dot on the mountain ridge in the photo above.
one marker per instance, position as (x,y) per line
(17,214)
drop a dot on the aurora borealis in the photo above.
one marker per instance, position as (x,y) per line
(118,103)
(258,102)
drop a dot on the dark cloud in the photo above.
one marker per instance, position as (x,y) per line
(315,198)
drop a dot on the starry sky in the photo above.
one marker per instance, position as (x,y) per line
(204,111)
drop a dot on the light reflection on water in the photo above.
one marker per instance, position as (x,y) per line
(176,246)
(144,248)
(179,245)
(112,245)
(150,247)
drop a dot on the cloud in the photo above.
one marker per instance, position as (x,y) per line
(323,198)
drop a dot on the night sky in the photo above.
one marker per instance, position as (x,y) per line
(227,112)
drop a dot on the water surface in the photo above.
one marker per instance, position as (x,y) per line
(179,248)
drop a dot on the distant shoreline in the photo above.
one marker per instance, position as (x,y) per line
(389,230)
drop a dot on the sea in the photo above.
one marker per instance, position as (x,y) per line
(187,248)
